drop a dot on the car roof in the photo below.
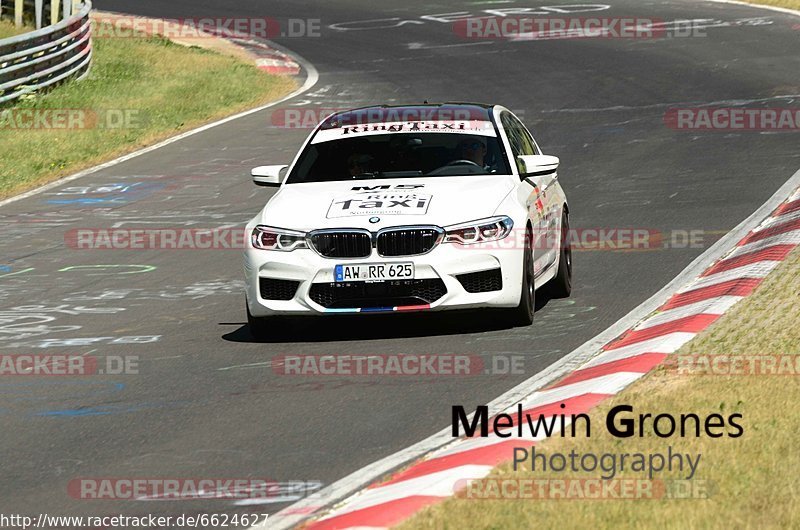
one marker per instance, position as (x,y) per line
(426,111)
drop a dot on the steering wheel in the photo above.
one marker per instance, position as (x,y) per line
(461,162)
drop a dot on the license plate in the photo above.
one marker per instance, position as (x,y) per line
(375,272)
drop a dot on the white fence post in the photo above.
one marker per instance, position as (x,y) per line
(18,12)
(39,7)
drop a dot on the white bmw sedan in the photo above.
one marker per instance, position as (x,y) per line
(415,208)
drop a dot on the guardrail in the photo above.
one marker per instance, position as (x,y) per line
(46,56)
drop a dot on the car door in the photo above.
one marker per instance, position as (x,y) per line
(529,191)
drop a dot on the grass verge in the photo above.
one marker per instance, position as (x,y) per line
(139,91)
(790,4)
(8,29)
(750,481)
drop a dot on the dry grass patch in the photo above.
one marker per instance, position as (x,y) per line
(791,4)
(8,29)
(160,88)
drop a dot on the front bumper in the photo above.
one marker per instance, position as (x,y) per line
(309,282)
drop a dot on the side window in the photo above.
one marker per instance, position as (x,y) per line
(529,140)
(527,144)
(515,138)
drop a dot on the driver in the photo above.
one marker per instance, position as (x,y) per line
(358,164)
(473,148)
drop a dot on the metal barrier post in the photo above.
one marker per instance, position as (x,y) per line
(39,8)
(54,11)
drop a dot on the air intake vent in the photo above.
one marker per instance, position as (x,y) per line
(391,293)
(272,289)
(482,282)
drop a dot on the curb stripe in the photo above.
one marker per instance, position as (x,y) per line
(438,484)
(381,516)
(792,238)
(666,344)
(608,384)
(773,253)
(710,306)
(736,287)
(641,363)
(754,270)
(490,455)
(772,231)
(788,207)
(690,324)
(784,218)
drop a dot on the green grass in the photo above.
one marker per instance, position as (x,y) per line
(791,4)
(165,87)
(754,477)
(8,29)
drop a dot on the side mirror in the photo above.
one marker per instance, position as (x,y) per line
(536,165)
(268,175)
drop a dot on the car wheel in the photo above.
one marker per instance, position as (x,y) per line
(561,284)
(522,315)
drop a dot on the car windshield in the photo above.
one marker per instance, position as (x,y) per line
(399,155)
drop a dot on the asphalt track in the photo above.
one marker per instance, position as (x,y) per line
(206,401)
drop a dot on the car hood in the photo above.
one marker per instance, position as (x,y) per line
(378,203)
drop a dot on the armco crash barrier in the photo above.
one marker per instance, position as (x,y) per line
(46,56)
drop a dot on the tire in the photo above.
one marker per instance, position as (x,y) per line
(561,284)
(522,315)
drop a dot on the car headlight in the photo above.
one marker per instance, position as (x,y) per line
(269,238)
(479,231)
